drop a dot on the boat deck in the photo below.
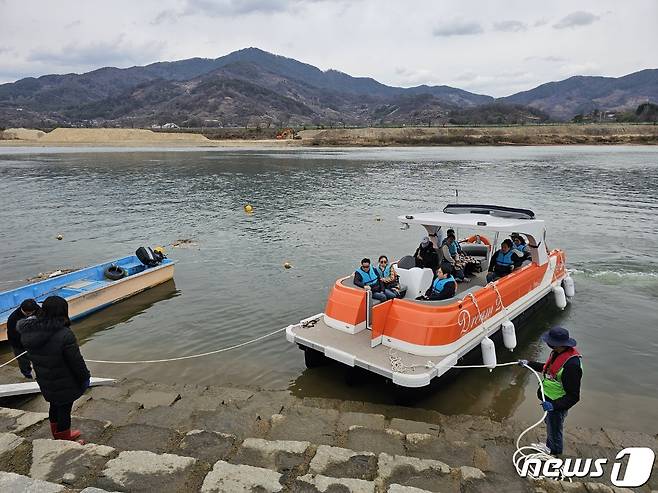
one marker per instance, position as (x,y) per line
(355,350)
(65,291)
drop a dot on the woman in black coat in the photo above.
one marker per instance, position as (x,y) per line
(60,370)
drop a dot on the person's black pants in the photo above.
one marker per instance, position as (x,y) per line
(61,414)
(23,362)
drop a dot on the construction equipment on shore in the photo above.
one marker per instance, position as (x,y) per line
(286,133)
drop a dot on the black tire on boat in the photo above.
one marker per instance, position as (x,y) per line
(114,272)
(314,358)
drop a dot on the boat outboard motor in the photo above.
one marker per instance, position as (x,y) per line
(148,257)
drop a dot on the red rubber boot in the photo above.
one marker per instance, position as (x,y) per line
(53,429)
(70,435)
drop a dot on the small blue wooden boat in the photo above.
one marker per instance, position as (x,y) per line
(88,290)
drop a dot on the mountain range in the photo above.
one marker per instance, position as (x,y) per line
(254,87)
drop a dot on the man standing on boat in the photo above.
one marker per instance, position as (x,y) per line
(26,309)
(561,376)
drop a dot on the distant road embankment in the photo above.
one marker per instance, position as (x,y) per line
(486,135)
(566,134)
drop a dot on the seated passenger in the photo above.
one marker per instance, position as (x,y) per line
(502,261)
(454,259)
(367,278)
(389,277)
(426,256)
(444,285)
(456,247)
(522,252)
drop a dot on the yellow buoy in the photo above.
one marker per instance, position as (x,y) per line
(248,209)
(60,237)
(287,265)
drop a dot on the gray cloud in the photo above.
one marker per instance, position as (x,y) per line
(549,59)
(227,8)
(98,54)
(218,8)
(458,28)
(510,26)
(575,19)
(168,15)
(235,8)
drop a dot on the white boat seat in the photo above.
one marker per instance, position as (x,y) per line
(416,280)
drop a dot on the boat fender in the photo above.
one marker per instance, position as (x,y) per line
(509,335)
(560,297)
(114,272)
(569,286)
(488,353)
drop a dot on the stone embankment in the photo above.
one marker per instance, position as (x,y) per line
(150,437)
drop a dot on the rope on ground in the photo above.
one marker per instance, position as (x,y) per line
(191,356)
(521,454)
(527,452)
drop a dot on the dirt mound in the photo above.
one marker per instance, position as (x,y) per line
(21,134)
(118,136)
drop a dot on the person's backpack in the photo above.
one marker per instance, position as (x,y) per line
(147,256)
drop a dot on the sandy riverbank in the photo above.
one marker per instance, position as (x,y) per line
(118,137)
(567,134)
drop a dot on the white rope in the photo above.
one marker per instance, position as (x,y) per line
(13,359)
(477,307)
(500,298)
(527,452)
(521,454)
(398,366)
(180,358)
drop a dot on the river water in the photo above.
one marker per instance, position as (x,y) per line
(322,210)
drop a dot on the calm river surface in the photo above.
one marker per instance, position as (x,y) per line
(318,209)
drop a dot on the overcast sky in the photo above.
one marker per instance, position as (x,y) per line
(495,47)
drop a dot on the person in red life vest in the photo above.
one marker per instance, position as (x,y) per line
(561,376)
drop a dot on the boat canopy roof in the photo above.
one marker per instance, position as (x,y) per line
(481,217)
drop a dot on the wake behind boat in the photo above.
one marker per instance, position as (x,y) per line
(411,341)
(93,288)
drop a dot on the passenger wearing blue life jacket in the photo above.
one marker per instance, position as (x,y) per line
(444,284)
(366,277)
(389,277)
(522,251)
(451,256)
(502,262)
(454,248)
